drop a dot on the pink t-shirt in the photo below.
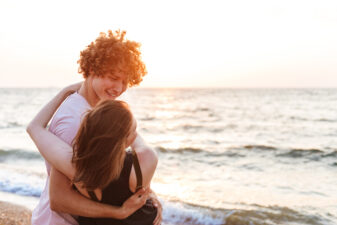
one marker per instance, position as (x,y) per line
(65,125)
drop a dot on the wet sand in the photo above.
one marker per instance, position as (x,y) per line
(11,214)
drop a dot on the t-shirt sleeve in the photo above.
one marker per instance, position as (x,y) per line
(65,127)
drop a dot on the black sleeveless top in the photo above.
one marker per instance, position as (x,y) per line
(116,193)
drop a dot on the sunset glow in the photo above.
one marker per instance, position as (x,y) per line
(184,43)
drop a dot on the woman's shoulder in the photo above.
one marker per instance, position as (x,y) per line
(147,157)
(148,160)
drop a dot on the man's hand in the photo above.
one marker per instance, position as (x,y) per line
(135,202)
(157,204)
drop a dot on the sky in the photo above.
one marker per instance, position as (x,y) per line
(234,44)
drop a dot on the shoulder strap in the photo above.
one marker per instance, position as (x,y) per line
(93,196)
(137,170)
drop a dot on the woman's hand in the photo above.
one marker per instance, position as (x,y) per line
(157,204)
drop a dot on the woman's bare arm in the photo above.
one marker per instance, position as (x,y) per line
(148,160)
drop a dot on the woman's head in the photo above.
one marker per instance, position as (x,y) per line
(99,147)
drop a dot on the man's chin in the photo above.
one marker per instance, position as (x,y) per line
(108,98)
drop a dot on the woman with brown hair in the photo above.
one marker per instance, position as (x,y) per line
(98,164)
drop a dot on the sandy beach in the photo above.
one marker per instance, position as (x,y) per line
(11,214)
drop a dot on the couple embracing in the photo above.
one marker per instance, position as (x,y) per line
(92,179)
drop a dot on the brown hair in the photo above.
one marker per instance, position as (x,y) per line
(99,146)
(111,52)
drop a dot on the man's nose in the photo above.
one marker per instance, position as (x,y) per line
(117,87)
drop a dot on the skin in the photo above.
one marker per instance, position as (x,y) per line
(110,86)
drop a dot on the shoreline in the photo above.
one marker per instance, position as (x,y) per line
(28,202)
(12,214)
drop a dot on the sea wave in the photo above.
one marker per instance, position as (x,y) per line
(179,212)
(174,212)
(258,147)
(21,184)
(203,127)
(10,124)
(274,215)
(201,109)
(230,152)
(18,154)
(290,152)
(179,150)
(192,150)
(326,120)
(246,151)
(300,153)
(147,118)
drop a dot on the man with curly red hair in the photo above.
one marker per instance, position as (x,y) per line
(109,66)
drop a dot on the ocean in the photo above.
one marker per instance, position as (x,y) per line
(226,156)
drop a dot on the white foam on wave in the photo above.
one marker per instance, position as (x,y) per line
(21,184)
(173,212)
(179,213)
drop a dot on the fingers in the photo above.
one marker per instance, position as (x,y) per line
(141,196)
(156,202)
(158,219)
(140,191)
(143,199)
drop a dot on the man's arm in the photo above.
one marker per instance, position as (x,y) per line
(63,198)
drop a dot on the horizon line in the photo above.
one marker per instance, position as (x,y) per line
(182,87)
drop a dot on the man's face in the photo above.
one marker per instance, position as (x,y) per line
(110,85)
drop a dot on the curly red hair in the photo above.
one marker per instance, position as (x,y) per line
(112,52)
